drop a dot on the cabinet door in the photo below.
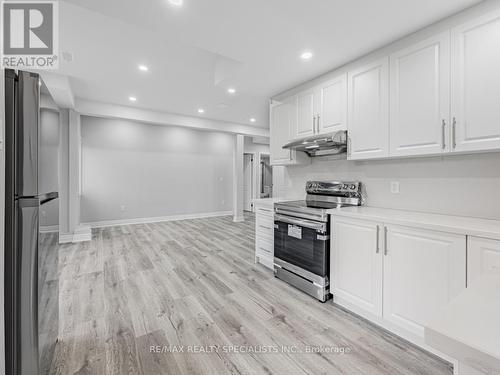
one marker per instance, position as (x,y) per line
(483,257)
(306,124)
(332,105)
(368,111)
(356,264)
(475,84)
(423,271)
(420,98)
(283,120)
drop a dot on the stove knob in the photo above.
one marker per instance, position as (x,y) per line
(353,187)
(345,186)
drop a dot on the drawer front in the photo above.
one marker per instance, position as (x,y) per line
(264,224)
(264,248)
(264,211)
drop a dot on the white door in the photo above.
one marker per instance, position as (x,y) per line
(332,105)
(420,98)
(306,124)
(423,271)
(356,264)
(283,121)
(475,84)
(483,258)
(368,111)
(247,182)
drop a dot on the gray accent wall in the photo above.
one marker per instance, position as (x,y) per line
(49,148)
(465,185)
(133,170)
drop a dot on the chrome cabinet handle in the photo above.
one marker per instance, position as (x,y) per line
(314,124)
(378,242)
(317,123)
(264,227)
(349,146)
(385,241)
(453,132)
(266,251)
(443,135)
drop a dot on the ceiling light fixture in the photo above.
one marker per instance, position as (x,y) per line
(177,3)
(306,55)
(231,90)
(253,120)
(143,68)
(132,98)
(201,110)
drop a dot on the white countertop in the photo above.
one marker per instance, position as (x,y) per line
(271,201)
(468,328)
(445,223)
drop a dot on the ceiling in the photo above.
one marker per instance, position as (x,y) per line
(195,52)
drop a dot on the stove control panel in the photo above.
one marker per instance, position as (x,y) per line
(333,187)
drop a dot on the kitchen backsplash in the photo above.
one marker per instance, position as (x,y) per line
(467,185)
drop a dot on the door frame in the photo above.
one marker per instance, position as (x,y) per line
(253,182)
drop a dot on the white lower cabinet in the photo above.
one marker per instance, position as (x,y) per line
(264,235)
(397,276)
(423,271)
(356,264)
(483,257)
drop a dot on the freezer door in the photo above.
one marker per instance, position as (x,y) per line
(27,141)
(27,293)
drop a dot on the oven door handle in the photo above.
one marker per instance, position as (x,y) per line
(301,222)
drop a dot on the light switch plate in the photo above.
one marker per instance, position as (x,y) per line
(395,187)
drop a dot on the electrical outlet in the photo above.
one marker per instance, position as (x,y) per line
(395,187)
(123,208)
(223,202)
(44,213)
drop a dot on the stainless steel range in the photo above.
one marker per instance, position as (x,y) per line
(302,235)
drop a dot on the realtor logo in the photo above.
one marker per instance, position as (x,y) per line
(30,35)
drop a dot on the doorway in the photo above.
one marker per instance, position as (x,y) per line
(248,182)
(265,176)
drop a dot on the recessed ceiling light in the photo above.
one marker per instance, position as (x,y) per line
(177,3)
(201,110)
(306,55)
(252,120)
(132,98)
(143,68)
(231,90)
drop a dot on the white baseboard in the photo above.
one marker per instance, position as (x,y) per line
(146,220)
(49,229)
(238,219)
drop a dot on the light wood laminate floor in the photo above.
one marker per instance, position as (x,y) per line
(136,296)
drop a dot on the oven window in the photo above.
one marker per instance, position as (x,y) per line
(301,247)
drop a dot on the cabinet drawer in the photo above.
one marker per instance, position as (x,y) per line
(264,224)
(264,212)
(264,248)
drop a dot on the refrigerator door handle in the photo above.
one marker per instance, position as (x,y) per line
(27,239)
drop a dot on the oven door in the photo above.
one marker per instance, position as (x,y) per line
(303,243)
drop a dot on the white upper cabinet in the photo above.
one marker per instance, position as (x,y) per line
(281,118)
(283,124)
(420,98)
(475,102)
(306,124)
(332,105)
(368,111)
(423,271)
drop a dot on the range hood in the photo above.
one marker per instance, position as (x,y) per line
(321,145)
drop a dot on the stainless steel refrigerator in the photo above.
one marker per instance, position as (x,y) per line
(23,201)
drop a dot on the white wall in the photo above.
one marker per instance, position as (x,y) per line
(153,171)
(49,148)
(251,147)
(466,185)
